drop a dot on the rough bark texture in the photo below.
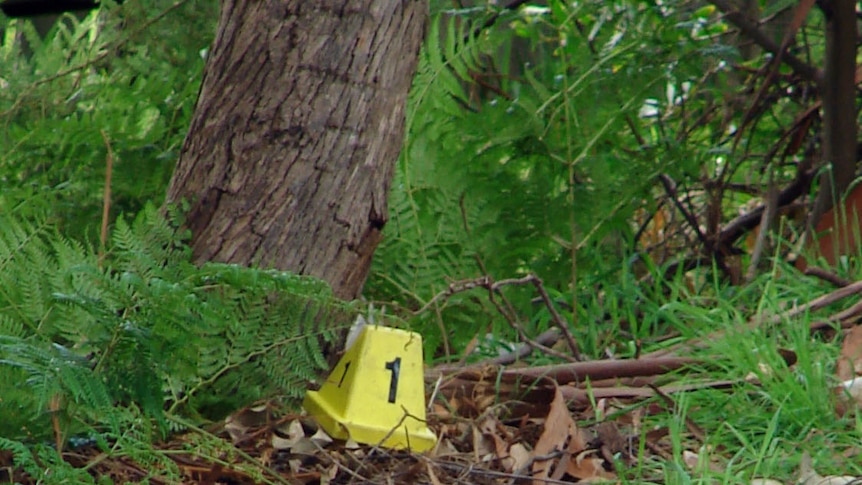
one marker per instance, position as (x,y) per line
(295,136)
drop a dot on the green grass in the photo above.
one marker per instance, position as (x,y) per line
(777,413)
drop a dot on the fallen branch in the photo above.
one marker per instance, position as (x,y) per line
(571,372)
(522,350)
(845,318)
(494,287)
(755,321)
(815,304)
(827,276)
(600,369)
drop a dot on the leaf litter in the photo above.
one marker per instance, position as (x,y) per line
(579,422)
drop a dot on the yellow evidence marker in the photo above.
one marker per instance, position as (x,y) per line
(376,393)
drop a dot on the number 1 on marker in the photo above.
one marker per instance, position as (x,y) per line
(395,367)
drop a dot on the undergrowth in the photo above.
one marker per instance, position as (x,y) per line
(112,348)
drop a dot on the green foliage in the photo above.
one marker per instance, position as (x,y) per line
(146,329)
(536,145)
(521,172)
(118,84)
(43,464)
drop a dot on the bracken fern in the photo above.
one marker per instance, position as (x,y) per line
(146,330)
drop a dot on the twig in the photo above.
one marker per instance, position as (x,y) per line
(493,288)
(827,276)
(765,225)
(573,371)
(813,305)
(817,303)
(843,317)
(511,319)
(670,189)
(738,226)
(546,339)
(452,289)
(587,396)
(749,28)
(600,369)
(692,427)
(558,319)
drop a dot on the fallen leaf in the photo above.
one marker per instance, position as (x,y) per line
(519,458)
(321,438)
(690,459)
(849,363)
(588,468)
(238,423)
(559,426)
(482,446)
(294,433)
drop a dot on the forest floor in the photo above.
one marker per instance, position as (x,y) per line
(734,405)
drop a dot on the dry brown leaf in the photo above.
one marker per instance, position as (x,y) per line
(576,445)
(489,430)
(321,438)
(588,468)
(483,447)
(518,459)
(238,423)
(294,432)
(445,447)
(441,411)
(609,435)
(559,426)
(691,459)
(849,370)
(849,363)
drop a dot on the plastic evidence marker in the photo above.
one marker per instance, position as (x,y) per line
(376,393)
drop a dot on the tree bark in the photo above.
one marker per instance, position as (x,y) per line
(296,133)
(838,92)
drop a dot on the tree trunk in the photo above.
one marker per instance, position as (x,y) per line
(296,133)
(838,91)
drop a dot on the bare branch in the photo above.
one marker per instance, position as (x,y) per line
(750,30)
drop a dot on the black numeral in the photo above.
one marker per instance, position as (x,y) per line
(395,367)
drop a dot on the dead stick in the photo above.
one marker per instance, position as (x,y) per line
(842,317)
(558,319)
(811,306)
(586,396)
(494,287)
(601,369)
(510,319)
(818,303)
(573,371)
(827,276)
(546,338)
